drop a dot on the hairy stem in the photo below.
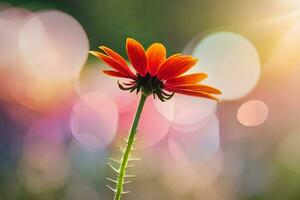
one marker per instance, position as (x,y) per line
(130,142)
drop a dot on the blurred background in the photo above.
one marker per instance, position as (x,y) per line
(61,118)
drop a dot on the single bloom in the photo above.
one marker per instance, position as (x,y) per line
(154,73)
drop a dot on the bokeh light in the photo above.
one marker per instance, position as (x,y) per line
(38,95)
(33,77)
(231,61)
(153,127)
(252,113)
(11,22)
(94,120)
(198,146)
(187,113)
(93,80)
(53,46)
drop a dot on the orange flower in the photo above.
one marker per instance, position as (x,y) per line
(156,74)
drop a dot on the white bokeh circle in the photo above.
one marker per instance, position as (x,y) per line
(53,46)
(231,62)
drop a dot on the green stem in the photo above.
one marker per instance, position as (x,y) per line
(130,142)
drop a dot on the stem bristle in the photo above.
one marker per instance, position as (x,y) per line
(112,180)
(111,166)
(112,189)
(112,159)
(134,159)
(129,176)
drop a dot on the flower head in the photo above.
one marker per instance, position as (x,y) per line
(154,73)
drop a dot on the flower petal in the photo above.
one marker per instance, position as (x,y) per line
(193,93)
(114,73)
(175,66)
(114,55)
(114,64)
(195,87)
(187,79)
(156,54)
(137,56)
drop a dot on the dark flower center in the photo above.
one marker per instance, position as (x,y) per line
(148,85)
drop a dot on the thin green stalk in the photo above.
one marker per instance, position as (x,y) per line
(130,142)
